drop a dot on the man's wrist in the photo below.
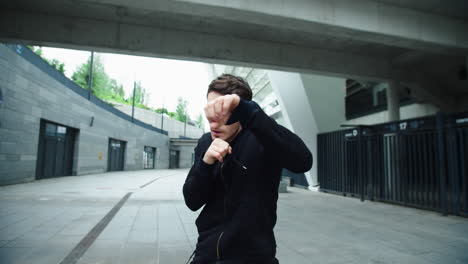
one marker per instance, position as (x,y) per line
(204,165)
(243,112)
(208,161)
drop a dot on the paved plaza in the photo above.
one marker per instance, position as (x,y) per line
(140,217)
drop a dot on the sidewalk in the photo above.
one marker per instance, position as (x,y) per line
(59,221)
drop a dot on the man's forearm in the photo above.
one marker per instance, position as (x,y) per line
(289,149)
(198,184)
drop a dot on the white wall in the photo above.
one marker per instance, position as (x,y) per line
(297,112)
(174,128)
(327,100)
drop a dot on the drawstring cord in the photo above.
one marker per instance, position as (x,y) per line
(191,256)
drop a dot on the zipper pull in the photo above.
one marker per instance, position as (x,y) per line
(240,164)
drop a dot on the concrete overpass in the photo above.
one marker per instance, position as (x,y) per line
(420,43)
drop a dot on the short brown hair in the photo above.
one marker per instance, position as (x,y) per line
(230,84)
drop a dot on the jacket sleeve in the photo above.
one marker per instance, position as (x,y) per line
(286,147)
(199,181)
(288,150)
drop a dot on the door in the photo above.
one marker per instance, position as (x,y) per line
(116,157)
(56,147)
(174,159)
(149,157)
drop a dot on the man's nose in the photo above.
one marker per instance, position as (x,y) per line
(214,124)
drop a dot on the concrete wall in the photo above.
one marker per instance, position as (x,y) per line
(185,158)
(327,100)
(297,113)
(175,128)
(29,94)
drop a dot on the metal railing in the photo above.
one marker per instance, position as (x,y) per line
(418,162)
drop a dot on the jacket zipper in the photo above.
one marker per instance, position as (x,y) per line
(217,245)
(224,207)
(224,210)
(224,185)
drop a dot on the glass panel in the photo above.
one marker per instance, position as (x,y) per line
(149,149)
(51,129)
(148,157)
(61,130)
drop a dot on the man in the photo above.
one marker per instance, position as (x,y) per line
(236,175)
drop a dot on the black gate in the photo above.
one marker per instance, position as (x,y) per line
(174,159)
(149,154)
(55,152)
(116,155)
(417,162)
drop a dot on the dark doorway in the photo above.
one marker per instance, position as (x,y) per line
(116,156)
(149,157)
(174,159)
(55,154)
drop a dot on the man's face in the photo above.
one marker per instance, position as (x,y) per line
(224,132)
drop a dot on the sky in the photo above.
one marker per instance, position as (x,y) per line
(164,79)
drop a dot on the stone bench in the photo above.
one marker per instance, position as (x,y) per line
(283,187)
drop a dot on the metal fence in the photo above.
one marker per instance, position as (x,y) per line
(418,162)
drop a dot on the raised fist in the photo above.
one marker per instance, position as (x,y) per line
(219,108)
(217,151)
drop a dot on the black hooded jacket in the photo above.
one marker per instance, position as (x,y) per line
(240,194)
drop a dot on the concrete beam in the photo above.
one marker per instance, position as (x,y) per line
(115,36)
(366,20)
(426,89)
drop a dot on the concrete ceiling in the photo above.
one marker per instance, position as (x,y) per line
(451,8)
(304,45)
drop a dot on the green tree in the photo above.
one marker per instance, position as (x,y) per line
(117,88)
(141,95)
(101,86)
(162,111)
(199,120)
(181,110)
(172,115)
(58,65)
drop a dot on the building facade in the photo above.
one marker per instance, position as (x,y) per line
(49,127)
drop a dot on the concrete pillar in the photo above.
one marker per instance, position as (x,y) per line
(393,101)
(297,113)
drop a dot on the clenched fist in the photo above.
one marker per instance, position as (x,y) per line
(217,150)
(219,108)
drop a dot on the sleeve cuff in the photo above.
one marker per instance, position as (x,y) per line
(243,112)
(205,168)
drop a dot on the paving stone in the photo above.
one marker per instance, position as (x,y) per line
(174,254)
(14,255)
(41,222)
(139,253)
(103,251)
(47,255)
